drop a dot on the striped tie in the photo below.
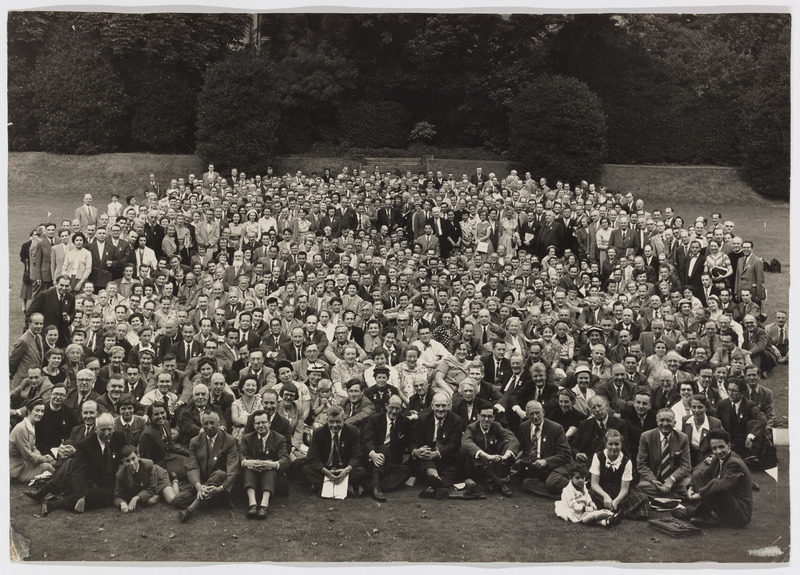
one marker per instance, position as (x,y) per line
(666,460)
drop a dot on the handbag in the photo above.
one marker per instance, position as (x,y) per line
(482,248)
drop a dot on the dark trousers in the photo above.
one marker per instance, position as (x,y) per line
(260,481)
(97,495)
(391,475)
(217,478)
(316,478)
(545,482)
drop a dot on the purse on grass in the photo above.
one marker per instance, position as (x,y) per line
(674,527)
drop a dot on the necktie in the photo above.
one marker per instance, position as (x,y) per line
(435,430)
(619,391)
(39,346)
(391,432)
(107,454)
(128,433)
(264,445)
(665,467)
(781,336)
(534,451)
(336,460)
(512,383)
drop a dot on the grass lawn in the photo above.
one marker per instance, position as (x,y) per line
(301,527)
(408,529)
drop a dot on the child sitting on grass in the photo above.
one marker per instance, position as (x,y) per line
(576,503)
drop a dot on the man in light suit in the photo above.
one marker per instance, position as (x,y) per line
(749,273)
(264,457)
(210,176)
(41,255)
(87,213)
(212,468)
(104,259)
(59,252)
(27,351)
(545,453)
(428,240)
(664,459)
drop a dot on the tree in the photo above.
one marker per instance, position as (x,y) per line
(374,124)
(238,113)
(558,129)
(77,98)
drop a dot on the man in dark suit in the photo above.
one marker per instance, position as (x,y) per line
(743,420)
(551,233)
(545,453)
(537,389)
(623,239)
(93,470)
(420,401)
(638,417)
(438,439)
(723,486)
(212,468)
(617,390)
(104,259)
(496,367)
(468,405)
(489,450)
(387,438)
(335,453)
(264,457)
(692,270)
(57,306)
(664,460)
(758,394)
(187,347)
(190,419)
(591,432)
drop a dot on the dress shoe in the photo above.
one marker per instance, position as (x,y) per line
(378,495)
(262,513)
(615,519)
(428,493)
(755,486)
(44,512)
(36,495)
(504,490)
(435,481)
(184,515)
(252,513)
(682,513)
(704,521)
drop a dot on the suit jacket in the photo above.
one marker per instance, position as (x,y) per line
(401,440)
(415,403)
(762,397)
(693,279)
(136,429)
(350,449)
(704,449)
(496,441)
(749,414)
(24,355)
(648,460)
(40,260)
(731,478)
(450,431)
(90,465)
(617,402)
(460,409)
(490,373)
(288,352)
(429,243)
(189,423)
(204,460)
(103,268)
(179,349)
(635,425)
(362,411)
(46,303)
(57,255)
(589,440)
(623,246)
(553,447)
(87,215)
(251,447)
(750,275)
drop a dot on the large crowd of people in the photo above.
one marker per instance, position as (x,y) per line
(353,331)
